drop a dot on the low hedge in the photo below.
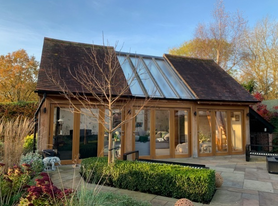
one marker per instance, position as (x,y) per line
(167,180)
(12,110)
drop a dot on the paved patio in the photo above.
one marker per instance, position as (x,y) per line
(245,183)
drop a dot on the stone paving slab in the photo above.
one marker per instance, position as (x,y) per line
(268,199)
(258,185)
(226,198)
(234,177)
(250,202)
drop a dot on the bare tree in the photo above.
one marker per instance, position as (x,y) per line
(103,85)
(220,40)
(260,47)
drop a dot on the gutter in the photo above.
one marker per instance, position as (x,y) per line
(36,122)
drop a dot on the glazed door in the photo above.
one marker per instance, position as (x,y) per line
(181,133)
(62,132)
(75,134)
(88,133)
(236,130)
(221,133)
(205,140)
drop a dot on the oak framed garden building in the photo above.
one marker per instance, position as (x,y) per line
(194,107)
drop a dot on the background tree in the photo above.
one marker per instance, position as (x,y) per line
(103,87)
(249,85)
(220,40)
(260,48)
(18,76)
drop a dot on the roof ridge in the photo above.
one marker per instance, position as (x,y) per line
(188,57)
(75,43)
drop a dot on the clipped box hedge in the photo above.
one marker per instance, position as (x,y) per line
(167,180)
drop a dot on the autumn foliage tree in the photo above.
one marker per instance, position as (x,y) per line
(260,49)
(220,40)
(18,76)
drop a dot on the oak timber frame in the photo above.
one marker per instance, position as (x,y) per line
(128,138)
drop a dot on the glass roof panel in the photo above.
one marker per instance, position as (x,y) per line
(129,75)
(159,79)
(174,79)
(145,78)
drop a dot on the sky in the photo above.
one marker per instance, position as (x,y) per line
(149,27)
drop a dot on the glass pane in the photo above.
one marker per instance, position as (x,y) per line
(88,133)
(116,135)
(63,132)
(130,77)
(142,132)
(162,135)
(204,132)
(181,133)
(221,131)
(173,79)
(159,79)
(145,78)
(236,131)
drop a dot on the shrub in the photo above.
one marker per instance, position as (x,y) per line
(12,110)
(28,143)
(167,180)
(13,183)
(33,159)
(45,193)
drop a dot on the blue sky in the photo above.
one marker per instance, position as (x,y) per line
(147,26)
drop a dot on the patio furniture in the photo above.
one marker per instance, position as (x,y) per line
(50,153)
(258,150)
(272,165)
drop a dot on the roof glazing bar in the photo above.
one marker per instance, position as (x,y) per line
(137,77)
(165,77)
(178,78)
(152,78)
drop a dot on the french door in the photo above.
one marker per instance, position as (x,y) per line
(74,134)
(220,132)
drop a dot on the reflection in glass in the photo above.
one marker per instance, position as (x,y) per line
(162,135)
(63,127)
(221,131)
(204,132)
(145,78)
(173,78)
(116,136)
(129,75)
(181,133)
(159,79)
(236,131)
(88,133)
(142,132)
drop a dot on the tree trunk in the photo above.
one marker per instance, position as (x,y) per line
(110,135)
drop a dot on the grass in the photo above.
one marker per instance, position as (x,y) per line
(13,133)
(109,198)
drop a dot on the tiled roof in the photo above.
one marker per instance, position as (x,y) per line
(61,57)
(185,78)
(208,80)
